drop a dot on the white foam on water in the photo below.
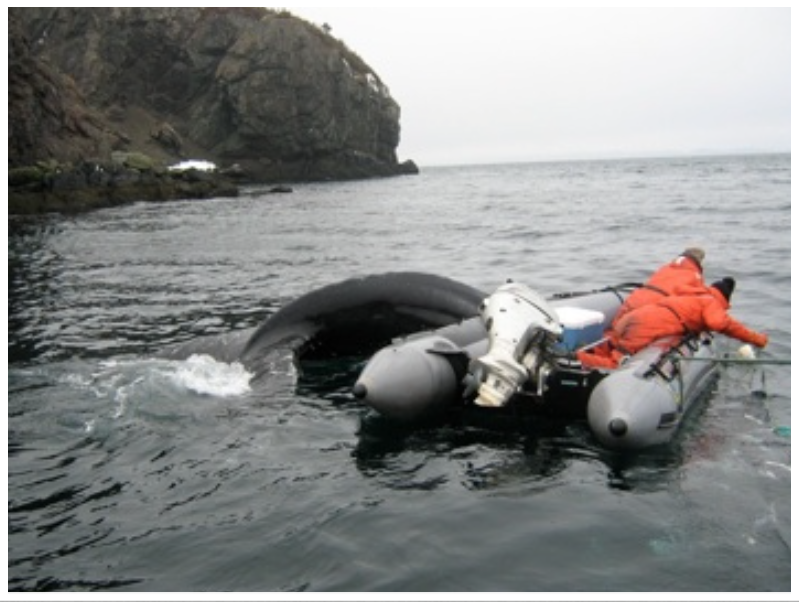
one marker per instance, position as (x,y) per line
(197,164)
(203,374)
(157,388)
(199,374)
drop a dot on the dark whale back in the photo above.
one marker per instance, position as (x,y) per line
(360,315)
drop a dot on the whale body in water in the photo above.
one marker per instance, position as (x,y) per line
(351,318)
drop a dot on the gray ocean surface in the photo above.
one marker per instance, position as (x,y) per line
(130,473)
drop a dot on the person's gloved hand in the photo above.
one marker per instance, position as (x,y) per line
(760,340)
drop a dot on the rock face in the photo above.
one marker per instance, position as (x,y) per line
(266,91)
(47,115)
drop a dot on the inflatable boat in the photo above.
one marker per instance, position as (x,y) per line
(517,356)
(434,346)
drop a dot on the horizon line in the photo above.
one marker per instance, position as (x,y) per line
(589,159)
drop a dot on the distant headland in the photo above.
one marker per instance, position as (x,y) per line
(103,101)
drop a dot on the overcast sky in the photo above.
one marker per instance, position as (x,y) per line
(484,85)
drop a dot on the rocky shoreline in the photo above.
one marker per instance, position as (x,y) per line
(50,187)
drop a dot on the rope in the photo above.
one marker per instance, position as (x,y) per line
(739,360)
(608,289)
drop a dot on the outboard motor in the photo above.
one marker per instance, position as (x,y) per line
(521,326)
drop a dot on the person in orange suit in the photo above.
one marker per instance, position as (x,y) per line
(683,271)
(690,311)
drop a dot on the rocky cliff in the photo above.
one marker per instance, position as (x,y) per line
(264,90)
(48,117)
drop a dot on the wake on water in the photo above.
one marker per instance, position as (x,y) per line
(150,389)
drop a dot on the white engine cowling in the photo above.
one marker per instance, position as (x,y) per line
(519,321)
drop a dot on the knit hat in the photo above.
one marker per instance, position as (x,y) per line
(696,254)
(725,286)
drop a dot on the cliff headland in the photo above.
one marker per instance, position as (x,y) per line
(102,101)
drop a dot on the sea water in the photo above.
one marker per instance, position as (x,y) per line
(133,473)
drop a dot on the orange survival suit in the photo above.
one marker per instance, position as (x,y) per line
(690,311)
(685,271)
